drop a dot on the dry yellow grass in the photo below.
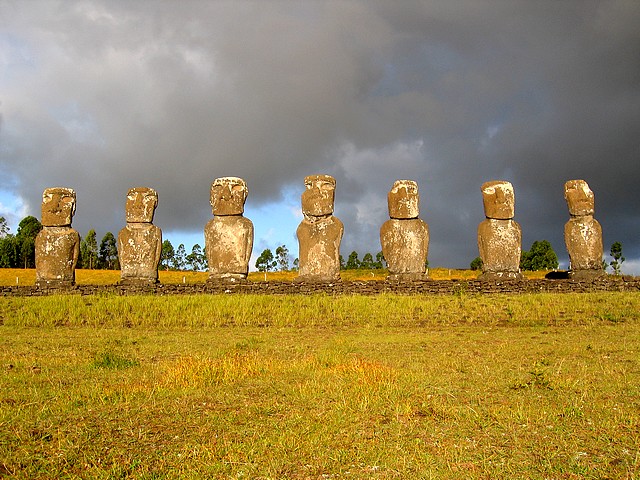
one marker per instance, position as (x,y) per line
(20,276)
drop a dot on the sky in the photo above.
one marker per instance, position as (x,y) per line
(102,96)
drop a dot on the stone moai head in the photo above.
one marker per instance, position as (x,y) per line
(499,200)
(403,200)
(141,204)
(317,199)
(228,195)
(58,206)
(579,198)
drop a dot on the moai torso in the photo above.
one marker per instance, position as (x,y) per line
(319,242)
(320,233)
(57,245)
(140,242)
(57,251)
(229,235)
(499,236)
(500,246)
(582,233)
(404,237)
(229,241)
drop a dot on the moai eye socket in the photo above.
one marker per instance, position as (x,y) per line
(67,199)
(237,188)
(326,186)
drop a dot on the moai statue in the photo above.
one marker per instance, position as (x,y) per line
(499,236)
(228,236)
(319,234)
(405,237)
(582,233)
(140,242)
(57,244)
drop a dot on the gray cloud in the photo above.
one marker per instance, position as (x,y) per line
(102,96)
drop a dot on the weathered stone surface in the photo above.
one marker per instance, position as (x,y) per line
(404,200)
(499,200)
(319,243)
(609,283)
(499,237)
(579,197)
(582,233)
(320,233)
(500,246)
(57,246)
(140,242)
(318,198)
(405,245)
(405,238)
(139,249)
(141,205)
(58,206)
(229,235)
(229,241)
(228,195)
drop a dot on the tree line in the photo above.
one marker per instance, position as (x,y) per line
(18,251)
(106,256)
(268,262)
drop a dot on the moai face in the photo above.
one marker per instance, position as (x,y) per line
(228,195)
(403,200)
(499,200)
(141,204)
(317,199)
(579,198)
(58,206)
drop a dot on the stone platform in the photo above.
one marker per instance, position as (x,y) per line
(425,287)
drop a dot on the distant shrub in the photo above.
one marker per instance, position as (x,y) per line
(476,264)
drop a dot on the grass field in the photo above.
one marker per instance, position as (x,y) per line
(17,276)
(315,387)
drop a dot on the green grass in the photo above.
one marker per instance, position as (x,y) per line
(532,386)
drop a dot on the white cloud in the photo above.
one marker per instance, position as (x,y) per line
(13,209)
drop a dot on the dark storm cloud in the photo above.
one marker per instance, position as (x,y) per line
(102,96)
